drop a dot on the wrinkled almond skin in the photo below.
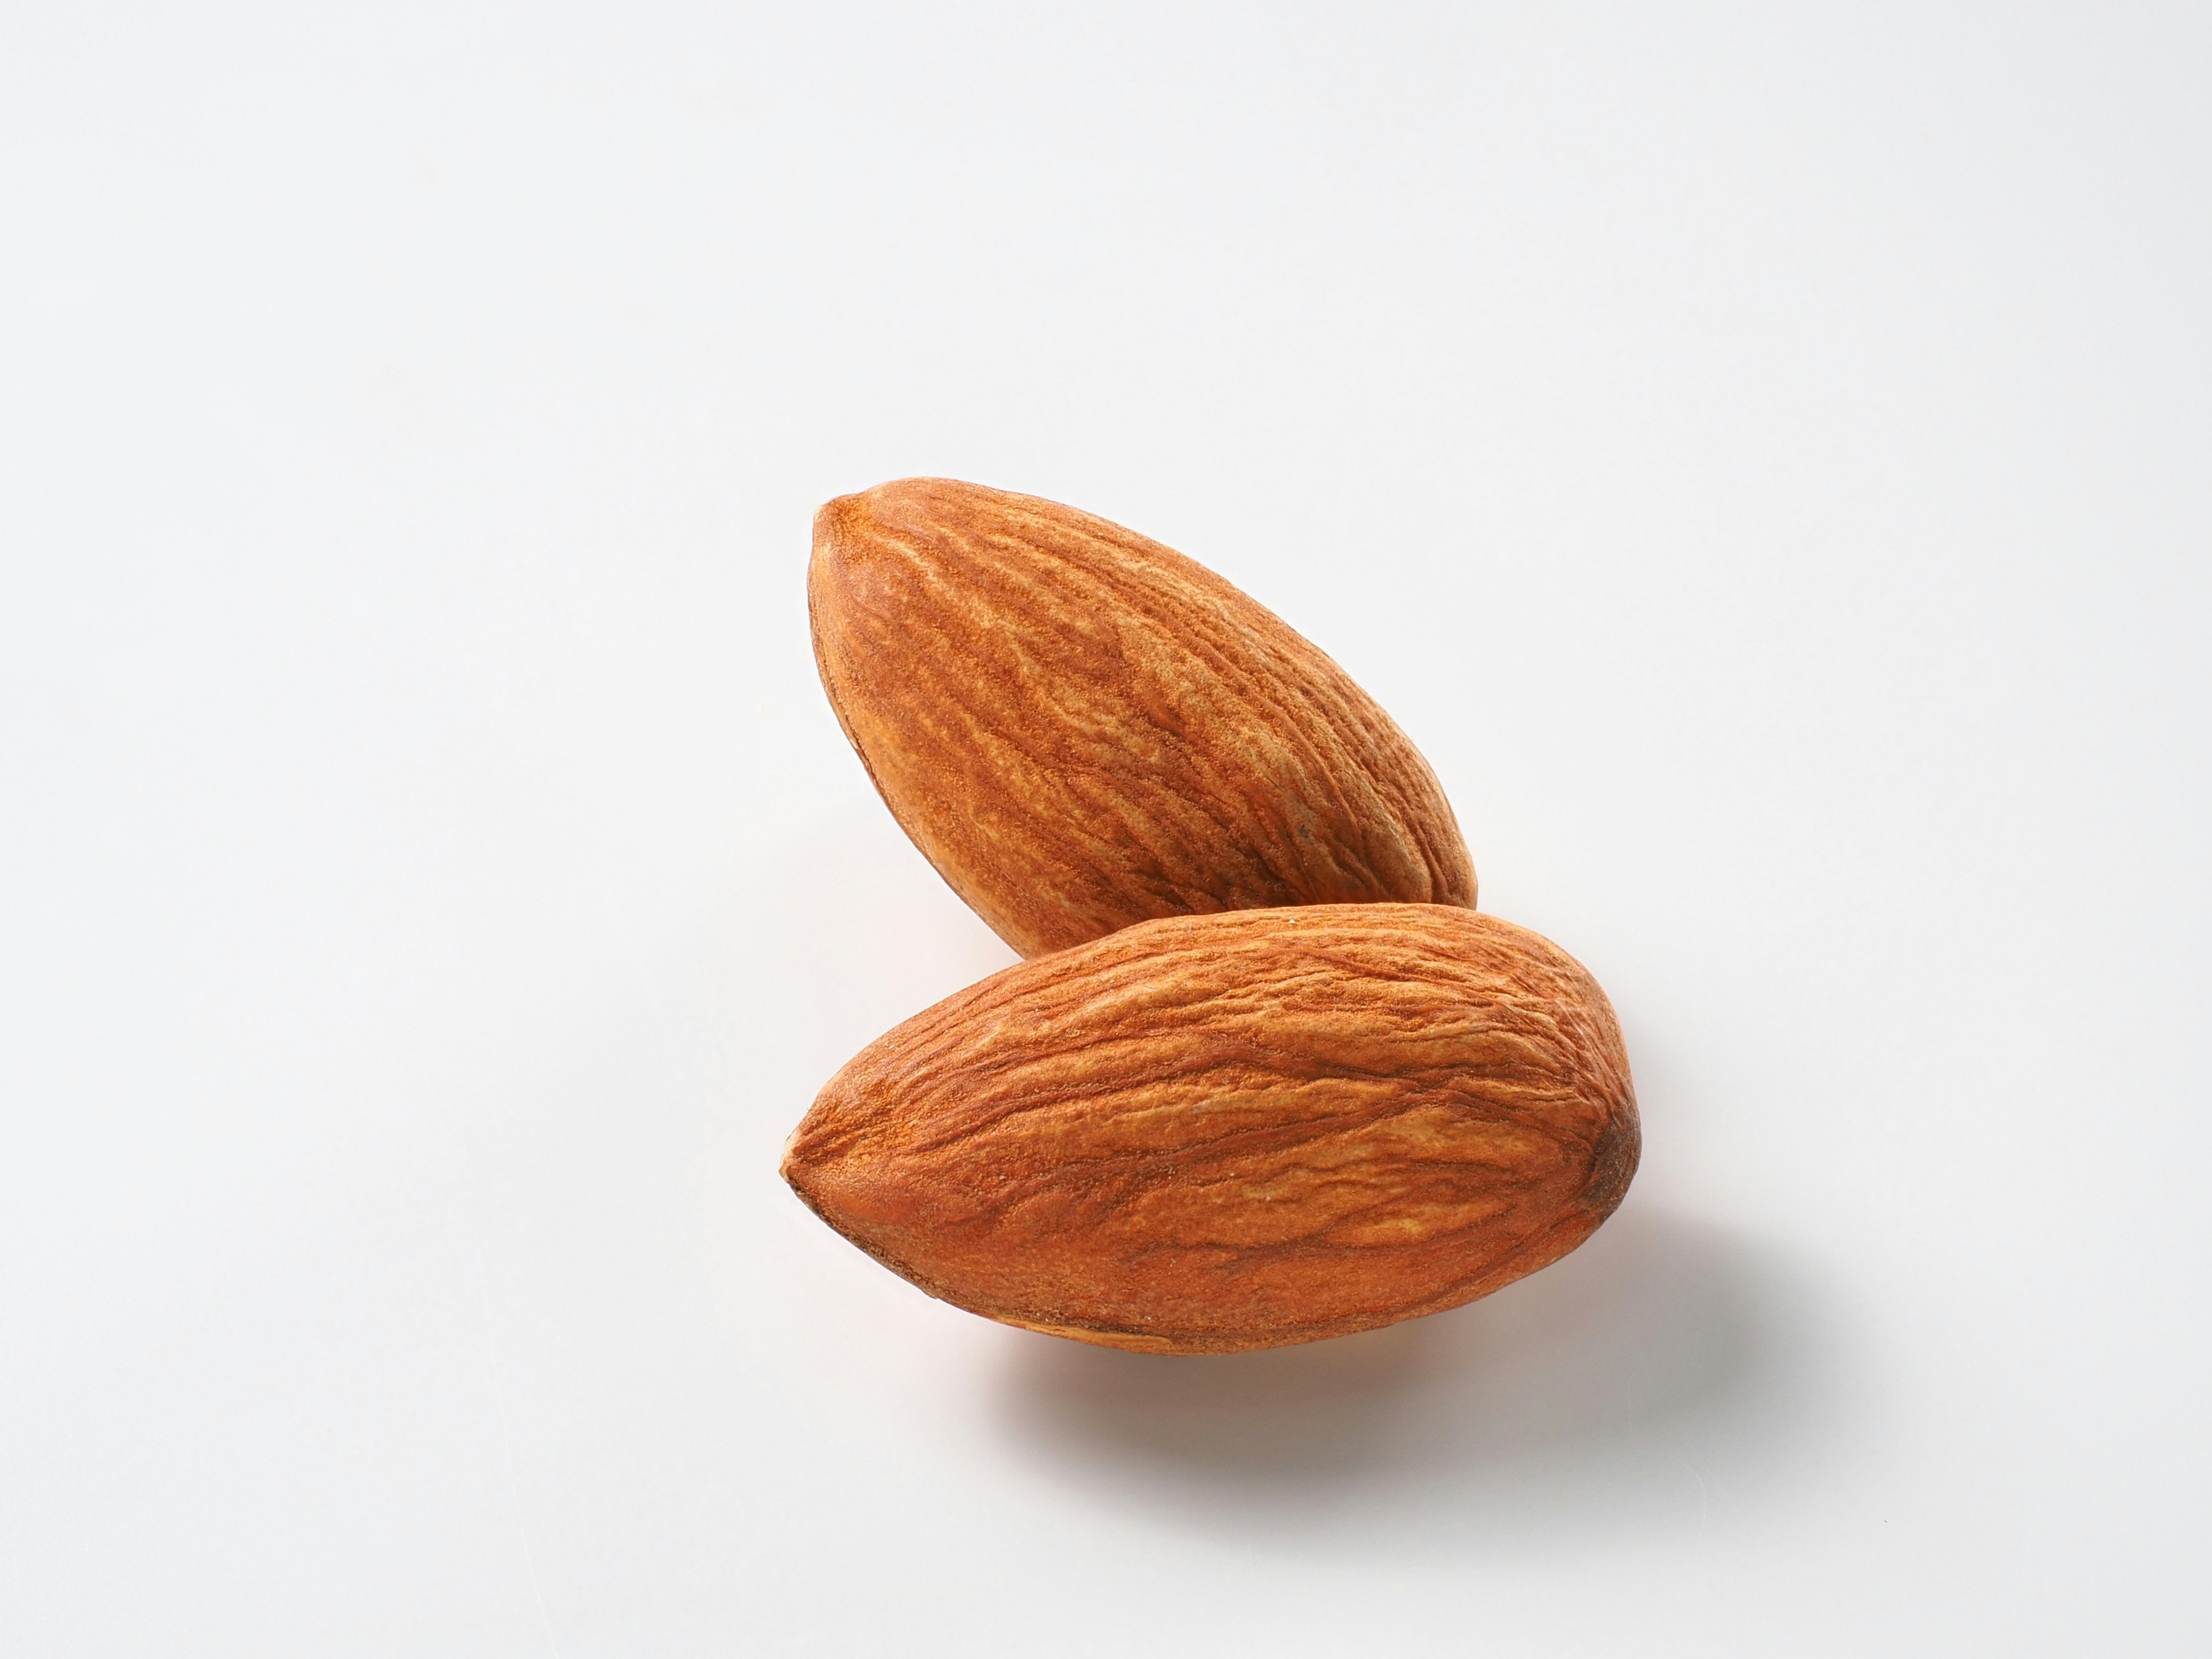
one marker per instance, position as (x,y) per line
(1209,1134)
(1082,729)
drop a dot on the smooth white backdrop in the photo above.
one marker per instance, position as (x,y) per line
(1759,454)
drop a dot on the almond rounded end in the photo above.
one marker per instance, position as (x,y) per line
(843,523)
(793,1167)
(837,522)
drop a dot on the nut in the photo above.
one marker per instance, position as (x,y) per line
(1082,729)
(1209,1134)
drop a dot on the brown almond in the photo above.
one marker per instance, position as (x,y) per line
(1082,729)
(1209,1134)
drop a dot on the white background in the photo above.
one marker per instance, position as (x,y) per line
(1763,456)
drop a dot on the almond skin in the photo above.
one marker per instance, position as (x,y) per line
(1209,1134)
(1082,729)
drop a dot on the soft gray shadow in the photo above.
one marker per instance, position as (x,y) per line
(1664,1367)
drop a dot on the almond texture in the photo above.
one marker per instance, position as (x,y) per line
(1209,1134)
(1082,729)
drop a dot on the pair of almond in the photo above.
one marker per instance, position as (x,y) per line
(1267,1075)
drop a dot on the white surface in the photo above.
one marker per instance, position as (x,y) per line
(1761,456)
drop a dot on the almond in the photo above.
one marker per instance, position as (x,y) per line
(1209,1134)
(1082,729)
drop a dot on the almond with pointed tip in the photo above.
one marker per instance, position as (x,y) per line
(1083,729)
(1216,1132)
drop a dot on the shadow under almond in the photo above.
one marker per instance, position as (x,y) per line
(1662,1372)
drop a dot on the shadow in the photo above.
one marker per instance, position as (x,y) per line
(1664,1365)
